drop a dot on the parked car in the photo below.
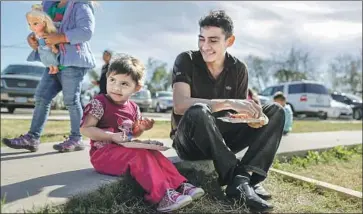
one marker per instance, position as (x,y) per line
(264,100)
(353,101)
(339,110)
(18,84)
(143,99)
(305,97)
(162,101)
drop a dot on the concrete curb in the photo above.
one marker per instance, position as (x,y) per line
(344,192)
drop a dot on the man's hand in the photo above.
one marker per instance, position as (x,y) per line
(119,137)
(54,38)
(256,125)
(260,124)
(32,41)
(246,106)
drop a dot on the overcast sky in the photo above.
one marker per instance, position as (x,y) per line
(164,29)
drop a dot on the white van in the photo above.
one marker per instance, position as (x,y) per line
(305,97)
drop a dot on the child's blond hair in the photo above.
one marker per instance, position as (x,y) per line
(37,12)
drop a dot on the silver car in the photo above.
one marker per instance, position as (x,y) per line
(143,99)
(18,84)
(162,101)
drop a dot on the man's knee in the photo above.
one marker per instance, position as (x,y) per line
(198,109)
(275,112)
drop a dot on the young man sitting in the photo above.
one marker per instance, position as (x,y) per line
(210,83)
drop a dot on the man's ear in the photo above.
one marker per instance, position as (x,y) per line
(230,41)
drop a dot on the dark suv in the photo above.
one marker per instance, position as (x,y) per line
(18,84)
(353,101)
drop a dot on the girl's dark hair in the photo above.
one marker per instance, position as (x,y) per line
(126,64)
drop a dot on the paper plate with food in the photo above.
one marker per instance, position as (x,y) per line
(145,144)
(244,118)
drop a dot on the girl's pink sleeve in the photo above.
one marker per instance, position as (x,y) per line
(95,108)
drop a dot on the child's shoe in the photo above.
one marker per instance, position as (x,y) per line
(191,190)
(173,200)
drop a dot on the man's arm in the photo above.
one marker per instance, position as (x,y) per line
(182,80)
(242,82)
(183,100)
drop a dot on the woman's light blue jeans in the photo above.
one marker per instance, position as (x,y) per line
(68,80)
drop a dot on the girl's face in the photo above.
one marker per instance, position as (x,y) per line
(120,87)
(36,25)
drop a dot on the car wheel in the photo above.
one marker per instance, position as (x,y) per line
(157,108)
(11,110)
(357,114)
(323,116)
(144,109)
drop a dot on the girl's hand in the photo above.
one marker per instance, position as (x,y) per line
(120,137)
(54,38)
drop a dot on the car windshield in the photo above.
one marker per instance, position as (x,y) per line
(29,70)
(354,97)
(165,94)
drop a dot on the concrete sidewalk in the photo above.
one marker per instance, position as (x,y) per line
(36,179)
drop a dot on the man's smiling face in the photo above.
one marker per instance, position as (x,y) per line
(213,44)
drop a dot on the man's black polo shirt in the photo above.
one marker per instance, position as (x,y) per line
(232,83)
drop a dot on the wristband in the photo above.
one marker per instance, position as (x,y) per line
(129,136)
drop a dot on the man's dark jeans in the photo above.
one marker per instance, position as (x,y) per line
(200,136)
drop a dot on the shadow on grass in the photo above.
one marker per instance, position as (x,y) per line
(126,196)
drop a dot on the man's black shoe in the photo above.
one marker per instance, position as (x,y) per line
(261,192)
(241,189)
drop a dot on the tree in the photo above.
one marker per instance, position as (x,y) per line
(93,75)
(284,75)
(294,65)
(160,76)
(257,69)
(346,73)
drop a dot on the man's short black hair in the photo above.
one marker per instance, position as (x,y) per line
(279,96)
(108,51)
(218,18)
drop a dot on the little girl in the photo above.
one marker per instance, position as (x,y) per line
(41,24)
(112,118)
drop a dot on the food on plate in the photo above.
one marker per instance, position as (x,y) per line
(240,116)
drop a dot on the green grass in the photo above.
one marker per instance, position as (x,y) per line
(56,130)
(127,197)
(341,166)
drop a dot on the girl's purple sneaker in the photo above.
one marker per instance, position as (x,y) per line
(26,141)
(69,145)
